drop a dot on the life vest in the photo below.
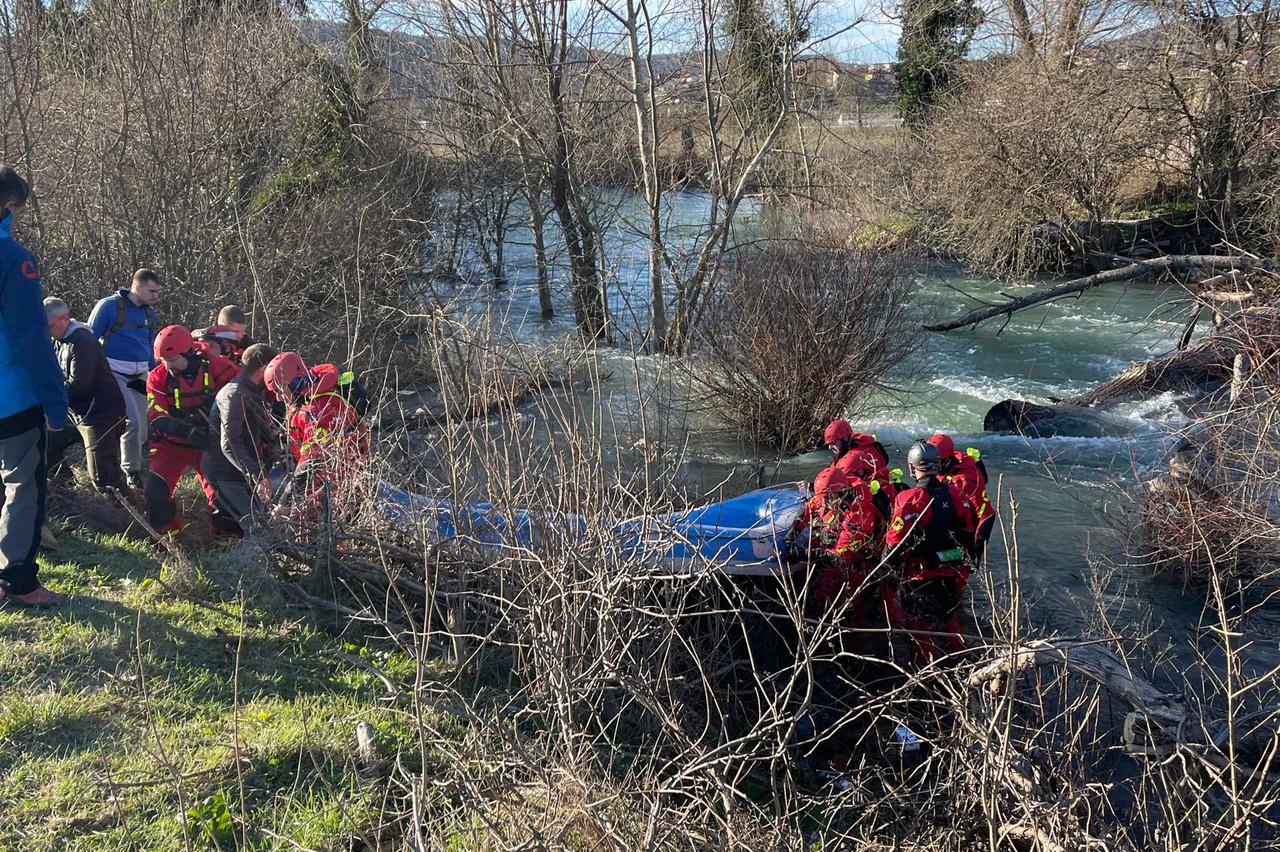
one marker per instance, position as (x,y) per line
(188,396)
(324,415)
(935,531)
(939,543)
(966,472)
(864,465)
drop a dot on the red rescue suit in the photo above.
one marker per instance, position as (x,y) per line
(844,540)
(967,473)
(865,466)
(932,535)
(178,410)
(325,427)
(326,434)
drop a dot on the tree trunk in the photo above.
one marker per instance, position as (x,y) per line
(589,309)
(1207,363)
(644,107)
(1022,30)
(537,225)
(1112,276)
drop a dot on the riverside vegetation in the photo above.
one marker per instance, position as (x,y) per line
(354,686)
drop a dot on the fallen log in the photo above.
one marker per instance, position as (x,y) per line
(1203,364)
(1094,661)
(1207,364)
(1159,723)
(1156,266)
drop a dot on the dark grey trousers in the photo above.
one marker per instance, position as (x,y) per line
(101,453)
(22,502)
(235,495)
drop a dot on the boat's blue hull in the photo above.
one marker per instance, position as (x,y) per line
(740,536)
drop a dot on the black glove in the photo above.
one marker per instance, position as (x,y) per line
(166,426)
(198,436)
(137,385)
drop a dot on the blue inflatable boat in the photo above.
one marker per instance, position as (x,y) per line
(740,536)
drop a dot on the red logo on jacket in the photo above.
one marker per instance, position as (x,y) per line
(29,269)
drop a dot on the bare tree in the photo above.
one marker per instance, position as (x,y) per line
(529,69)
(1217,64)
(1021,172)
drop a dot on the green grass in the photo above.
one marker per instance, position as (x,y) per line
(131,720)
(887,231)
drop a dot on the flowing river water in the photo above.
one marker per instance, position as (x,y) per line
(1075,495)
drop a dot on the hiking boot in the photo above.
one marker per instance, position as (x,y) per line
(37,598)
(48,540)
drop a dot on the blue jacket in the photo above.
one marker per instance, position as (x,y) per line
(29,371)
(135,338)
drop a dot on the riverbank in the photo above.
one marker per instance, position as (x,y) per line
(132,718)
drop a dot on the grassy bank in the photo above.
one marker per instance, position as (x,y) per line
(135,719)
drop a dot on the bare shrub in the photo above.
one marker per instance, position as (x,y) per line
(227,153)
(800,334)
(1215,515)
(1021,171)
(569,693)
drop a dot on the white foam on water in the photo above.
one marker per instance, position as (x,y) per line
(1166,409)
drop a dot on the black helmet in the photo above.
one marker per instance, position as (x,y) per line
(924,457)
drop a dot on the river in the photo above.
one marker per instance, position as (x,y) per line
(1074,495)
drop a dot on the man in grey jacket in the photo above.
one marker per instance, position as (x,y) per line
(244,440)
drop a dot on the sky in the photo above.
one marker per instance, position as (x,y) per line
(851,30)
(873,39)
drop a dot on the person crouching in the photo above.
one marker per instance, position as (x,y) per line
(327,437)
(180,392)
(242,450)
(95,400)
(843,543)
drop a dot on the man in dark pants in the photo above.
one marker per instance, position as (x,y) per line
(243,440)
(94,397)
(32,396)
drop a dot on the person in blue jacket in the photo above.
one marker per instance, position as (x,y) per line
(33,396)
(126,324)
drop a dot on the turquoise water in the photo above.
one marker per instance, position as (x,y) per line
(1074,495)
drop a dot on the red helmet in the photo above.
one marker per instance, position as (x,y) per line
(837,431)
(946,446)
(174,340)
(829,480)
(284,370)
(860,464)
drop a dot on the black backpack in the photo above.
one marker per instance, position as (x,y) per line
(121,310)
(355,393)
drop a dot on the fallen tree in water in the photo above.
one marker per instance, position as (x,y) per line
(1205,365)
(1133,270)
